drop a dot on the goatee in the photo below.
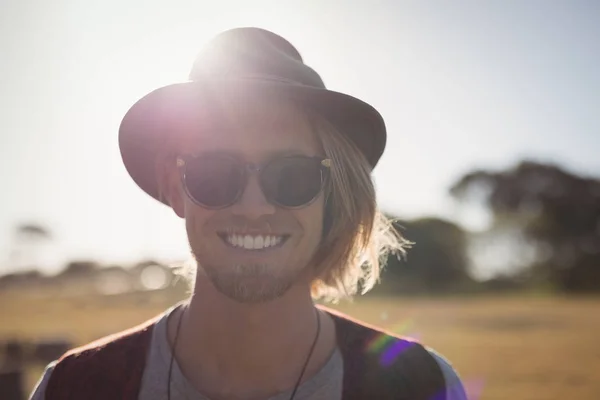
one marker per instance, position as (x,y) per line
(250,283)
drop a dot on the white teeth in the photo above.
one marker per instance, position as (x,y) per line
(249,242)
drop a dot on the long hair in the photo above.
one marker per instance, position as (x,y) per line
(357,237)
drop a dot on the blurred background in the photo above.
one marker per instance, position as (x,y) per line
(492,169)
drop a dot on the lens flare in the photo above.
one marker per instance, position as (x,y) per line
(390,347)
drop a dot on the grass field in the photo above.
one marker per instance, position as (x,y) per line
(504,348)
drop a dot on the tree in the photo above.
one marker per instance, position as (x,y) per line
(29,244)
(34,231)
(80,268)
(558,213)
(436,262)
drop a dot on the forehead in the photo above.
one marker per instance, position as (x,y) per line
(252,128)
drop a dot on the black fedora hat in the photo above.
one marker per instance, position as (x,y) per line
(244,61)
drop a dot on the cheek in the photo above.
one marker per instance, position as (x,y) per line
(196,219)
(311,219)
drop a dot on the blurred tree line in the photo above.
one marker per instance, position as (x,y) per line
(556,212)
(551,212)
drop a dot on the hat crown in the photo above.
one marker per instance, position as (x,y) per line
(253,52)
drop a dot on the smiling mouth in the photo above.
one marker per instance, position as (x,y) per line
(253,242)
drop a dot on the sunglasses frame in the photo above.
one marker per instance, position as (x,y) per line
(247,168)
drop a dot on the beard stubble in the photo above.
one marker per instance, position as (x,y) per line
(249,283)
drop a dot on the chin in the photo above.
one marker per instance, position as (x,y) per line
(250,283)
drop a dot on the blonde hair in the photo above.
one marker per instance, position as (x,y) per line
(357,236)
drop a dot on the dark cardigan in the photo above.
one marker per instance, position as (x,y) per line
(377,365)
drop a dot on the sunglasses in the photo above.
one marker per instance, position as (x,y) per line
(217,181)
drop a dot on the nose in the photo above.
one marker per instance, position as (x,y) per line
(253,204)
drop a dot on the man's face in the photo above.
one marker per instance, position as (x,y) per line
(257,132)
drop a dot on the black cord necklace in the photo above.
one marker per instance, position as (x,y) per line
(312,348)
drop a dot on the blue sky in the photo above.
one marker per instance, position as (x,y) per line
(461,84)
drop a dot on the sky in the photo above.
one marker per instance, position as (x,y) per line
(461,85)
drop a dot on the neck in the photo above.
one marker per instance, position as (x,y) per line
(254,350)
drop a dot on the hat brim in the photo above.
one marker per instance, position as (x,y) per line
(148,125)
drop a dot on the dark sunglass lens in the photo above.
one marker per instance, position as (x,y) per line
(213,181)
(293,181)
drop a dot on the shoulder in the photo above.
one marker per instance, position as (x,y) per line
(123,341)
(89,367)
(402,363)
(454,387)
(360,338)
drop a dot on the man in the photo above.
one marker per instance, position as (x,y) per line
(272,174)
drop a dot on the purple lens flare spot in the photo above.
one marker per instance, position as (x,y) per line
(392,352)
